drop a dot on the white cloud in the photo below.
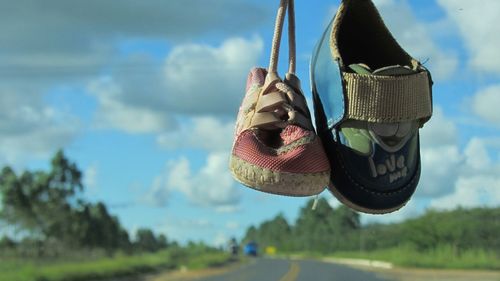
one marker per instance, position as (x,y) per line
(452,176)
(333,202)
(30,128)
(233,225)
(207,133)
(439,167)
(211,186)
(90,176)
(476,154)
(206,79)
(115,113)
(476,191)
(220,240)
(416,38)
(189,224)
(383,2)
(159,193)
(228,209)
(414,208)
(476,22)
(195,80)
(485,104)
(184,229)
(194,223)
(439,131)
(477,182)
(440,155)
(79,39)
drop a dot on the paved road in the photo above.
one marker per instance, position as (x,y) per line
(293,270)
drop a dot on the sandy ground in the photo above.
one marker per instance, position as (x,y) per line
(191,275)
(387,271)
(410,274)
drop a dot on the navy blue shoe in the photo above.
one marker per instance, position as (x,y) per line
(370,99)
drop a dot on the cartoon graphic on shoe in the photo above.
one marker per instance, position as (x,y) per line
(276,149)
(370,99)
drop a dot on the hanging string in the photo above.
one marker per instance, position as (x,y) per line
(278,31)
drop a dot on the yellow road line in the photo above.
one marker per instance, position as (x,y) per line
(293,273)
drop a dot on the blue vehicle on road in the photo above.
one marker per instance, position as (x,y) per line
(251,249)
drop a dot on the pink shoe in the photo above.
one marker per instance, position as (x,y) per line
(276,149)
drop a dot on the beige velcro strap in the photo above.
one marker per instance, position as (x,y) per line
(388,99)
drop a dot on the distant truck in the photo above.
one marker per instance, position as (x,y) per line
(233,247)
(251,249)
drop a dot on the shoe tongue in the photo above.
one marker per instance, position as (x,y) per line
(393,70)
(360,68)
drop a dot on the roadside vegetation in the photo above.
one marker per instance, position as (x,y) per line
(51,233)
(457,239)
(443,257)
(116,266)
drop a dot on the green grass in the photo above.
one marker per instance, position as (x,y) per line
(105,268)
(216,259)
(445,257)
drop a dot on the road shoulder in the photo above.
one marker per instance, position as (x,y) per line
(388,271)
(185,274)
(407,274)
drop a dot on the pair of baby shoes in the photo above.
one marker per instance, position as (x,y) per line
(370,99)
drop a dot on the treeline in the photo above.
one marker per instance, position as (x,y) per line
(327,230)
(322,230)
(47,215)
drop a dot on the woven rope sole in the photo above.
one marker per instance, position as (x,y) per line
(289,184)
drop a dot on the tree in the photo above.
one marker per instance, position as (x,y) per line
(96,228)
(348,219)
(321,230)
(276,232)
(251,235)
(7,243)
(41,202)
(162,241)
(16,205)
(48,208)
(146,240)
(315,230)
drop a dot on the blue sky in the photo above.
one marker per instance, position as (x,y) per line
(143,96)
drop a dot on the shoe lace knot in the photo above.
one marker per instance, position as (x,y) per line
(280,105)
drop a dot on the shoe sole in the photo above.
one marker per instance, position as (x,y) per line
(359,208)
(342,178)
(279,183)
